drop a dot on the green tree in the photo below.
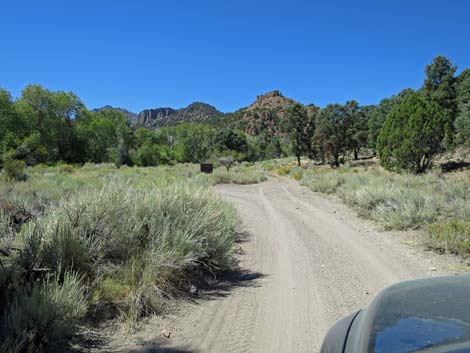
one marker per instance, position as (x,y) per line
(273,149)
(462,121)
(231,140)
(149,148)
(412,135)
(147,155)
(12,128)
(311,149)
(97,133)
(439,87)
(50,114)
(31,150)
(375,115)
(122,152)
(197,143)
(333,133)
(298,126)
(358,127)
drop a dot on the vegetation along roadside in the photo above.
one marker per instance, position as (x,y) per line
(81,243)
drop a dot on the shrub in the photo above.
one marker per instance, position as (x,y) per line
(134,236)
(6,230)
(452,237)
(151,241)
(284,170)
(273,164)
(237,175)
(397,201)
(46,314)
(15,169)
(323,182)
(297,174)
(227,162)
(406,212)
(65,168)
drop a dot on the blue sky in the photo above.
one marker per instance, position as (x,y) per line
(142,53)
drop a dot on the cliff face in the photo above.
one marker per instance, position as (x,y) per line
(149,117)
(195,112)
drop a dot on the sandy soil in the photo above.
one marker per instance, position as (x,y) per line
(306,260)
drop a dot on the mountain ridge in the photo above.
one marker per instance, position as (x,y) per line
(165,116)
(264,115)
(130,115)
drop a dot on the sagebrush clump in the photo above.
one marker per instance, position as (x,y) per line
(120,241)
(404,201)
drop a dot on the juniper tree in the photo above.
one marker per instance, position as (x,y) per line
(412,135)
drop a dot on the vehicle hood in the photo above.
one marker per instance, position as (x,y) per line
(428,315)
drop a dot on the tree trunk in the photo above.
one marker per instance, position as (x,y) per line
(298,160)
(356,157)
(336,157)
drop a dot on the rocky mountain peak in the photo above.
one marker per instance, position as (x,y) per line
(271,100)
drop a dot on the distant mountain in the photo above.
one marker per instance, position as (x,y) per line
(132,116)
(196,112)
(264,115)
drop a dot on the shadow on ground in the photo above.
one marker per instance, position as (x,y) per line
(162,350)
(454,165)
(222,286)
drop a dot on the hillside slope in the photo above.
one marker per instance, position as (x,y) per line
(264,115)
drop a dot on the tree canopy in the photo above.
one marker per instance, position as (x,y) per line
(412,135)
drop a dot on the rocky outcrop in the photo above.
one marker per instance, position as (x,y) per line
(195,112)
(149,117)
(273,100)
(265,115)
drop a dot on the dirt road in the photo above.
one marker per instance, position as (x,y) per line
(309,261)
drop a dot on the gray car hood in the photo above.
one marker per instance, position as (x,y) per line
(429,315)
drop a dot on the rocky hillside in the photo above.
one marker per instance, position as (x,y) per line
(264,115)
(195,112)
